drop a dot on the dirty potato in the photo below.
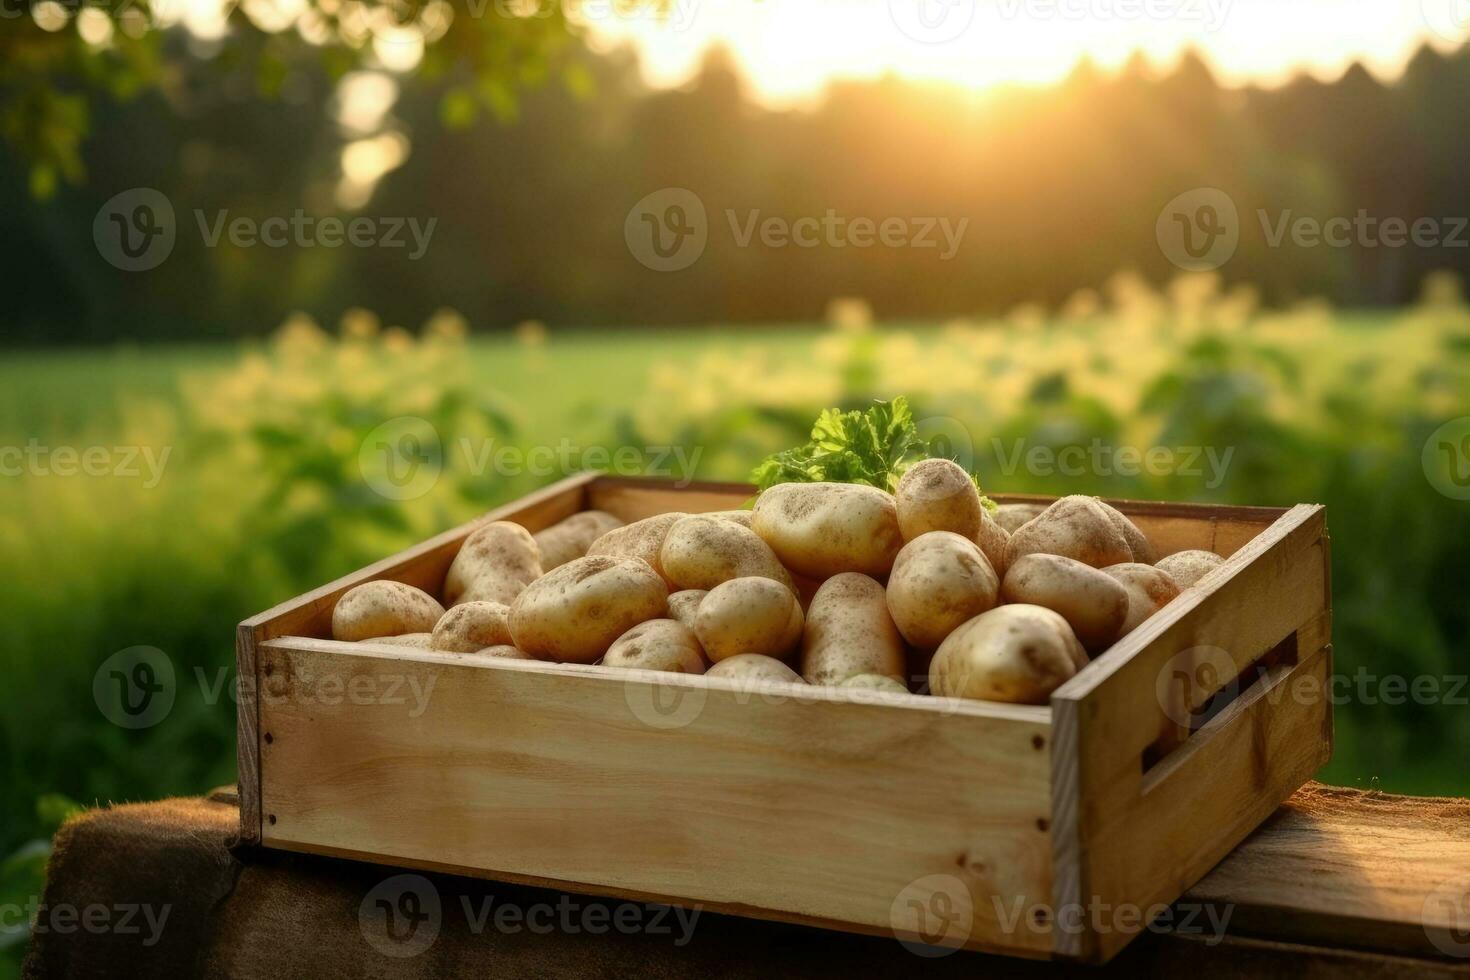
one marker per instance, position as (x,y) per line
(494,564)
(939,580)
(418,641)
(382,608)
(1018,653)
(875,682)
(571,538)
(825,529)
(741,517)
(1011,516)
(684,605)
(500,651)
(1138,543)
(849,631)
(754,667)
(1093,604)
(1149,590)
(992,540)
(1188,567)
(702,551)
(1075,527)
(641,539)
(749,615)
(472,626)
(575,612)
(659,644)
(937,495)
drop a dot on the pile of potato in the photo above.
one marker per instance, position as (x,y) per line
(821,583)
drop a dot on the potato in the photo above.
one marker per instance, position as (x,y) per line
(825,529)
(1011,516)
(420,641)
(1093,604)
(849,632)
(741,517)
(754,667)
(571,538)
(875,682)
(500,651)
(472,626)
(1149,590)
(641,539)
(700,552)
(382,608)
(937,495)
(992,540)
(1143,552)
(749,615)
(939,580)
(1188,567)
(684,605)
(575,612)
(494,564)
(1076,527)
(659,644)
(1018,653)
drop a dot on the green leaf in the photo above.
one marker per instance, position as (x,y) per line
(872,447)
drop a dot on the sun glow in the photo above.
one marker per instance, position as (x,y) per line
(790,49)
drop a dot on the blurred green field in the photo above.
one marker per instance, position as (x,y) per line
(264,493)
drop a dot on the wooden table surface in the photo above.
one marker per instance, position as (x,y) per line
(1337,883)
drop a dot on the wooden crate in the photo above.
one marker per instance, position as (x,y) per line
(1034,831)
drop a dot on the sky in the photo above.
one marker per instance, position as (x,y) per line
(790,49)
